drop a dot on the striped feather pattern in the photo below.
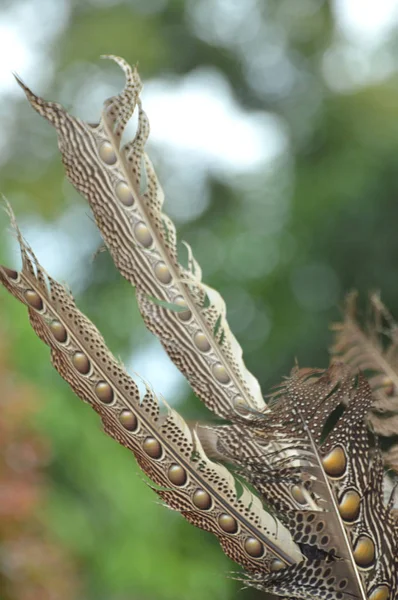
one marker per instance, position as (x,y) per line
(327,532)
(337,470)
(163,445)
(123,191)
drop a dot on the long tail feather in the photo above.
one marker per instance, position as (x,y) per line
(329,534)
(163,445)
(123,191)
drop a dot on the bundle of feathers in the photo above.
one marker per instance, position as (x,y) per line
(313,521)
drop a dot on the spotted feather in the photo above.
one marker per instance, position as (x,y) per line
(122,189)
(167,451)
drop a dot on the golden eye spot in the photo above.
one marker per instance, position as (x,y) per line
(364,551)
(58,331)
(162,272)
(298,494)
(184,315)
(33,299)
(107,153)
(381,592)
(388,386)
(104,392)
(277,565)
(335,462)
(201,499)
(128,420)
(177,475)
(220,373)
(152,447)
(253,547)
(239,403)
(81,363)
(201,341)
(11,274)
(124,194)
(143,235)
(227,523)
(349,506)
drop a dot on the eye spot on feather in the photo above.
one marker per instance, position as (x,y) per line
(128,420)
(254,547)
(107,153)
(143,235)
(277,565)
(364,552)
(349,506)
(152,447)
(104,392)
(162,272)
(335,462)
(124,194)
(381,592)
(202,499)
(81,362)
(227,523)
(298,494)
(33,299)
(184,315)
(201,341)
(58,331)
(388,386)
(240,404)
(177,475)
(220,373)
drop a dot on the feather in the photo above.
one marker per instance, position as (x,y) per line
(373,349)
(347,547)
(166,450)
(350,541)
(123,191)
(327,532)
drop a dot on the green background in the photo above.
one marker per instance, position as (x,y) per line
(282,242)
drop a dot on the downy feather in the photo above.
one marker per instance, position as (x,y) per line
(372,347)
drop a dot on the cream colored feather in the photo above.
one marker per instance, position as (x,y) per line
(329,534)
(163,445)
(126,198)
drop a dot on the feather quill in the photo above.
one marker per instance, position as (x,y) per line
(122,189)
(167,451)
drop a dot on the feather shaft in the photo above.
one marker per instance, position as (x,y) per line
(166,450)
(142,241)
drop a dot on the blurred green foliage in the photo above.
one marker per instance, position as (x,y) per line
(282,243)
